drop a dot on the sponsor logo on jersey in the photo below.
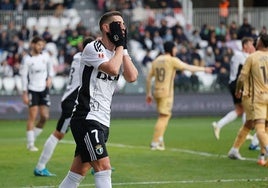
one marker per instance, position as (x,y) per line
(104,76)
(99,149)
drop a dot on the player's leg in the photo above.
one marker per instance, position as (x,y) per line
(230,116)
(260,126)
(159,131)
(164,107)
(52,141)
(44,115)
(76,174)
(239,140)
(44,103)
(32,115)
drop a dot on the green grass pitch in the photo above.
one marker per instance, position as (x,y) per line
(192,159)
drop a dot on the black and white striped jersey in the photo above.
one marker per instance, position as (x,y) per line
(96,87)
(35,70)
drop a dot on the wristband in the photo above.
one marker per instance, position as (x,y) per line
(125,52)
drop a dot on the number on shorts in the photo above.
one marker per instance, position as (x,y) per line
(95,131)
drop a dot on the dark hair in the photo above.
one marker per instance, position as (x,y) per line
(264,39)
(105,18)
(87,40)
(168,46)
(245,40)
(36,39)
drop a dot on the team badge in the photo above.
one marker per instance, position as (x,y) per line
(99,149)
(116,37)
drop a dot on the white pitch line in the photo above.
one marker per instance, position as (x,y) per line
(167,182)
(200,153)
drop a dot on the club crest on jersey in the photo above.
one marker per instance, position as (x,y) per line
(101,55)
(99,149)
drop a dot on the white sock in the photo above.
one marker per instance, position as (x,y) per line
(103,179)
(72,180)
(30,138)
(231,116)
(47,152)
(255,140)
(244,118)
(37,132)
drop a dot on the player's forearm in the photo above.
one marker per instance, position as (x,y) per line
(115,62)
(130,71)
(194,68)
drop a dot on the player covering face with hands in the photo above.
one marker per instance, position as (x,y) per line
(102,63)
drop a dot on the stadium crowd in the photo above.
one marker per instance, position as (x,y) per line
(210,45)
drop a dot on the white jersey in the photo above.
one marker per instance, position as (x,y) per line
(34,72)
(238,59)
(73,79)
(96,87)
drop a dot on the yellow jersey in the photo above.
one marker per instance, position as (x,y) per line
(163,70)
(255,73)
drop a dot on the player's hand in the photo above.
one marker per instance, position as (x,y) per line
(116,35)
(149,99)
(25,98)
(209,69)
(238,94)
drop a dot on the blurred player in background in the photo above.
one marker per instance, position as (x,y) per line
(237,60)
(36,73)
(163,71)
(67,104)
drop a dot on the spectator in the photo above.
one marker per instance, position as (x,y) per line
(163,27)
(168,36)
(33,32)
(7,5)
(24,33)
(61,41)
(244,30)
(158,42)
(147,42)
(47,36)
(184,55)
(209,57)
(5,69)
(233,30)
(146,62)
(74,39)
(223,11)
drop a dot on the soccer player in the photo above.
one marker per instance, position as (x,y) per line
(102,63)
(67,104)
(163,71)
(36,75)
(248,125)
(237,60)
(256,69)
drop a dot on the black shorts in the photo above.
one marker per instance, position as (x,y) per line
(37,98)
(67,106)
(90,137)
(232,87)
